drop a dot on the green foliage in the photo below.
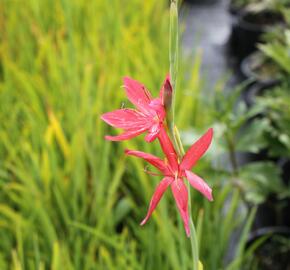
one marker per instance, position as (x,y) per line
(275,108)
(258,5)
(64,190)
(69,199)
(278,50)
(251,137)
(244,130)
(259,180)
(242,4)
(274,104)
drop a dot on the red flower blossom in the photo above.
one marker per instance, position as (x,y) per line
(174,171)
(149,115)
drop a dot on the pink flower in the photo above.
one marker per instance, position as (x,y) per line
(175,171)
(149,115)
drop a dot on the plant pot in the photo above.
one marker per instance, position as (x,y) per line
(272,253)
(258,68)
(257,89)
(235,9)
(273,212)
(284,164)
(248,157)
(248,28)
(201,2)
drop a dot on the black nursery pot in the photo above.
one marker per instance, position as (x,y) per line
(248,157)
(284,164)
(234,10)
(271,254)
(257,68)
(273,212)
(256,90)
(201,1)
(247,29)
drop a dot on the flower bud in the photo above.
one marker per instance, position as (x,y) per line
(166,94)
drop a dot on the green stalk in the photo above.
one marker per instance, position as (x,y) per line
(173,55)
(173,61)
(193,236)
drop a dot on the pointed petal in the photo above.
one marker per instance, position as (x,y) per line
(168,149)
(196,151)
(199,184)
(181,198)
(155,161)
(126,135)
(159,191)
(150,137)
(137,94)
(126,119)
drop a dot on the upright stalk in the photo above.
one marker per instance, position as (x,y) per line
(173,57)
(193,236)
(173,60)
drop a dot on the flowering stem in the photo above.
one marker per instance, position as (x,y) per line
(173,54)
(193,236)
(173,60)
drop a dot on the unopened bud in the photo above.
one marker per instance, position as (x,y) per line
(166,94)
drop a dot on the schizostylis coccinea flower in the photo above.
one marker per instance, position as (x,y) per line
(175,171)
(148,116)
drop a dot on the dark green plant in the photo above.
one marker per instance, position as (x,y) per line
(239,133)
(67,201)
(259,5)
(275,107)
(277,49)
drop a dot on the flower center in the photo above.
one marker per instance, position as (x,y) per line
(156,119)
(175,175)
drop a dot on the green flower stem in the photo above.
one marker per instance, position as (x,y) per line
(173,61)
(173,56)
(193,236)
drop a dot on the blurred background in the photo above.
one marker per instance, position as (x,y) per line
(71,200)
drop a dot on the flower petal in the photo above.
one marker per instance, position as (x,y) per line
(153,132)
(196,151)
(181,198)
(157,109)
(168,149)
(137,94)
(199,184)
(160,189)
(127,119)
(155,161)
(129,134)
